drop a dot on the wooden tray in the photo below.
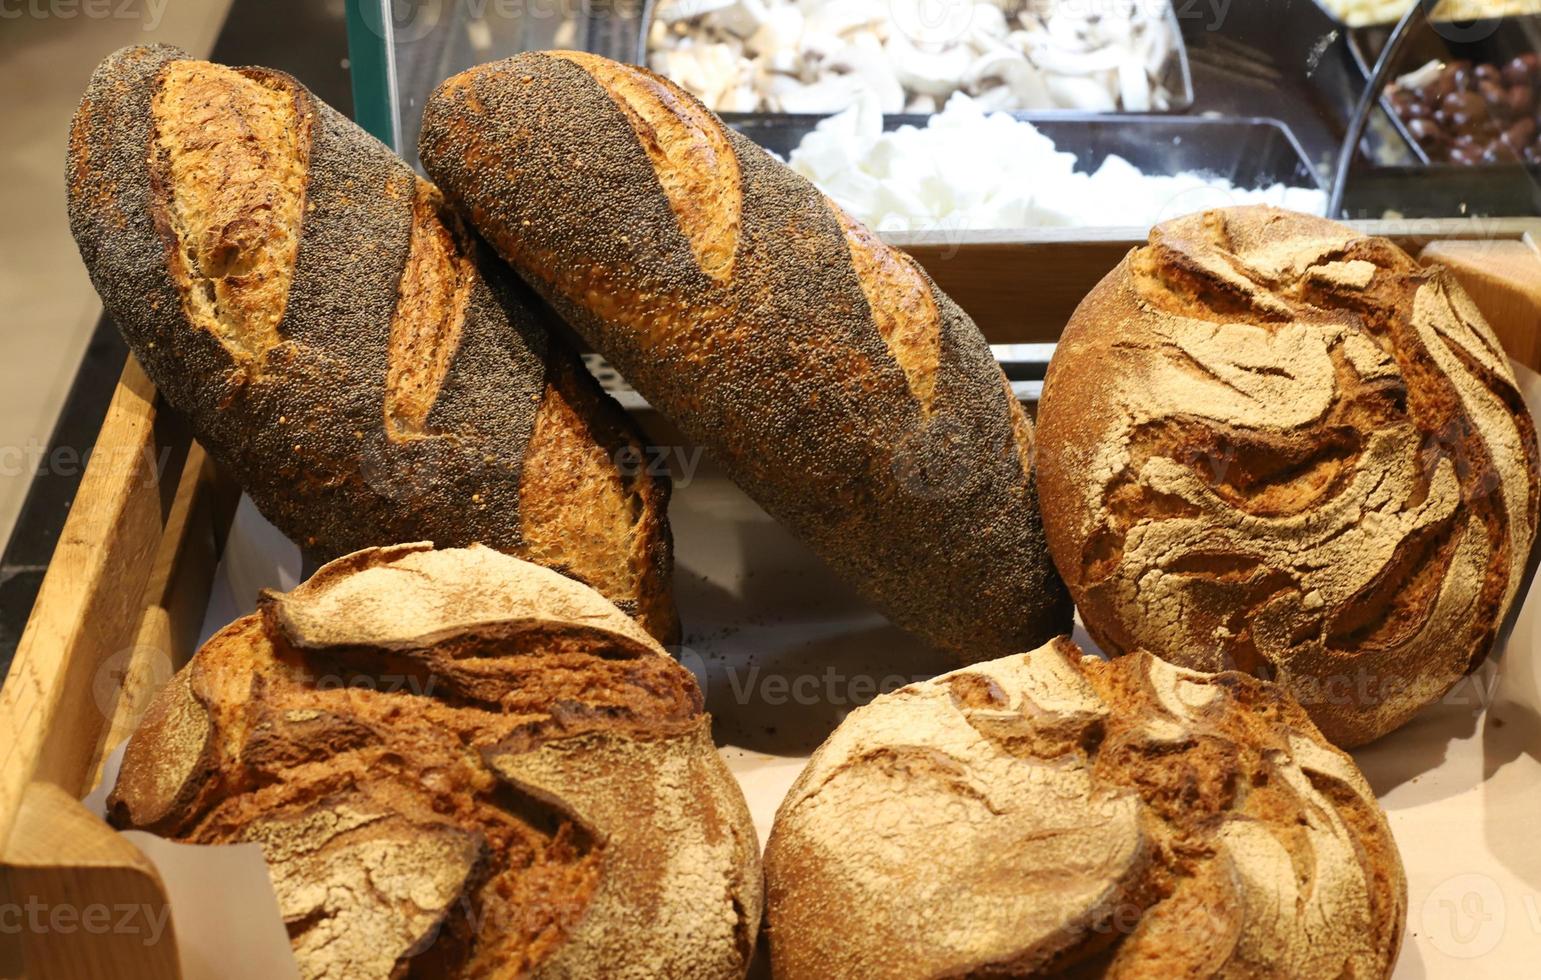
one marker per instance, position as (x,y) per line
(125,593)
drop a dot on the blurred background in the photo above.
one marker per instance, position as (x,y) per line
(46,303)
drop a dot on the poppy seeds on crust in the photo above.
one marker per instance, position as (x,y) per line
(780,369)
(301,424)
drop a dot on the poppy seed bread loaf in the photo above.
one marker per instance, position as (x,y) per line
(1049,814)
(826,372)
(457,764)
(357,358)
(1269,442)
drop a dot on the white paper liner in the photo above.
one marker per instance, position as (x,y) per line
(228,926)
(784,650)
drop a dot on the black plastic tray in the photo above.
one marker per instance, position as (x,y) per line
(1249,152)
(1439,190)
(1495,40)
(1176,74)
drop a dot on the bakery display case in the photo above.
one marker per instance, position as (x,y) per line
(1265,96)
(1299,449)
(1296,63)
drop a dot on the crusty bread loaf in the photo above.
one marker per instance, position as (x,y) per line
(458,764)
(1047,814)
(360,361)
(832,379)
(1269,442)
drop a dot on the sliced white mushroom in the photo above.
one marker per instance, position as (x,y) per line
(830,94)
(1425,74)
(675,11)
(997,97)
(1024,82)
(987,24)
(1081,92)
(782,29)
(933,24)
(844,16)
(740,18)
(1133,86)
(820,47)
(914,54)
(787,61)
(1060,61)
(927,72)
(713,70)
(874,74)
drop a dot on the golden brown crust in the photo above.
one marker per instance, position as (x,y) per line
(902,308)
(1049,815)
(834,382)
(458,764)
(690,155)
(1270,443)
(230,156)
(589,508)
(428,319)
(356,356)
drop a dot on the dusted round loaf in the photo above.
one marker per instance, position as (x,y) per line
(458,764)
(1047,814)
(1271,443)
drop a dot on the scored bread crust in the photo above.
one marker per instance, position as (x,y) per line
(356,357)
(1269,442)
(1049,814)
(832,379)
(457,764)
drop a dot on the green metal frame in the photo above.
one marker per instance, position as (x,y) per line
(370,67)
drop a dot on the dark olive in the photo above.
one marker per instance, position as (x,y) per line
(1497,152)
(1520,99)
(1467,102)
(1469,123)
(1466,155)
(1519,135)
(1426,132)
(1494,95)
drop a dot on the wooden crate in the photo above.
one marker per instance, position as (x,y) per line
(125,593)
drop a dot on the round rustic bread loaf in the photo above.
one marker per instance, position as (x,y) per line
(1052,814)
(1270,443)
(341,341)
(458,764)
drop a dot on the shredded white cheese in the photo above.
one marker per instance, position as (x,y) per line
(969,169)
